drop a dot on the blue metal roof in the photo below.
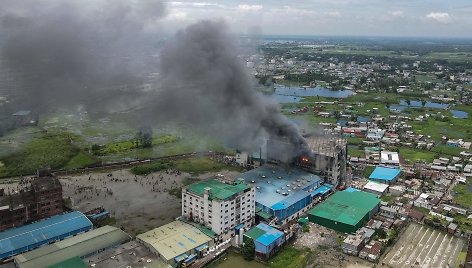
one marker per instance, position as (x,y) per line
(271,234)
(323,189)
(41,231)
(279,177)
(383,173)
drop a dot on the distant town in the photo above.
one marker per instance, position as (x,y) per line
(385,181)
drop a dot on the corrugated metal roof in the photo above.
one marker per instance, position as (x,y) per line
(383,173)
(80,245)
(346,207)
(43,230)
(218,190)
(174,239)
(254,233)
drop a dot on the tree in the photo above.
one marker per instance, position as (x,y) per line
(144,137)
(380,233)
(248,250)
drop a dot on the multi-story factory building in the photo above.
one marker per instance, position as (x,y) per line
(218,205)
(327,157)
(42,199)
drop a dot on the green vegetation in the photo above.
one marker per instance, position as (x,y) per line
(356,153)
(248,250)
(368,170)
(447,150)
(355,141)
(388,198)
(291,257)
(53,150)
(463,194)
(148,168)
(422,210)
(200,165)
(123,146)
(412,155)
(80,160)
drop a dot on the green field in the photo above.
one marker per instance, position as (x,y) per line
(463,194)
(53,150)
(290,257)
(412,155)
(200,165)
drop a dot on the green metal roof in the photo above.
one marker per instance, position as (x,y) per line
(254,233)
(79,245)
(75,262)
(218,190)
(346,207)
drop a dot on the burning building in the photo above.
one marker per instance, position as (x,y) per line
(41,199)
(325,155)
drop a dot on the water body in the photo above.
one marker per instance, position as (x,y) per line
(313,91)
(459,114)
(417,104)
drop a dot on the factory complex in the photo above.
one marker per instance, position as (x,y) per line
(283,193)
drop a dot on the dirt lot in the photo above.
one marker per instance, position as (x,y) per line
(421,246)
(326,249)
(139,203)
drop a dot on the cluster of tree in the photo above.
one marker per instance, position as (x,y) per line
(144,137)
(248,250)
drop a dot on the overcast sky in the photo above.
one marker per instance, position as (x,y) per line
(432,18)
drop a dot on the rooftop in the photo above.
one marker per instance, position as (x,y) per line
(174,239)
(375,186)
(383,173)
(346,207)
(74,262)
(219,190)
(37,232)
(326,145)
(264,234)
(131,254)
(278,187)
(79,245)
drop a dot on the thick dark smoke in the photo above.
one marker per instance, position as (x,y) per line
(206,84)
(69,53)
(93,53)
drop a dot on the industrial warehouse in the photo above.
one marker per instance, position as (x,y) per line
(284,193)
(345,211)
(28,237)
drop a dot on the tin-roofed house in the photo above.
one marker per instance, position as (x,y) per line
(267,240)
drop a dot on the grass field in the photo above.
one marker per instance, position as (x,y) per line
(290,257)
(200,165)
(412,155)
(463,195)
(51,151)
(81,159)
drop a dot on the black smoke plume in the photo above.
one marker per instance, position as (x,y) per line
(68,53)
(205,84)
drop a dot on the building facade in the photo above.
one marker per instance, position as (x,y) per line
(42,199)
(219,206)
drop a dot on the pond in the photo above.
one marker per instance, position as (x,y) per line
(416,104)
(235,260)
(312,91)
(284,94)
(459,114)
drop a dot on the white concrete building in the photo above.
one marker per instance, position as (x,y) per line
(219,206)
(389,158)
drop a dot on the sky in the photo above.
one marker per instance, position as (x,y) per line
(412,18)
